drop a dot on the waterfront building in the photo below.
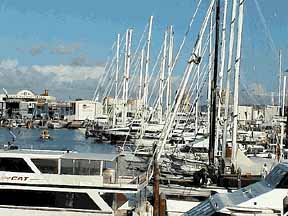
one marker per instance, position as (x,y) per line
(25,104)
(82,110)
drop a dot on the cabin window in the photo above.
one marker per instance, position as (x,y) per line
(14,165)
(107,164)
(284,182)
(66,166)
(81,167)
(275,176)
(56,199)
(49,166)
(94,167)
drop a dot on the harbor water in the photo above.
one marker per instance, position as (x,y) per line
(61,139)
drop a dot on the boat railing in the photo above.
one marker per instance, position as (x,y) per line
(128,180)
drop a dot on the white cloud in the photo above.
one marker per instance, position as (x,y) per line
(70,72)
(63,81)
(8,64)
(65,48)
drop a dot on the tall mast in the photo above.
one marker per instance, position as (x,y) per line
(116,80)
(170,65)
(280,78)
(221,73)
(197,88)
(229,70)
(162,72)
(214,87)
(283,114)
(141,74)
(146,79)
(236,83)
(187,73)
(126,72)
(210,71)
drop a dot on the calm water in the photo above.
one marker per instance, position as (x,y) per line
(63,139)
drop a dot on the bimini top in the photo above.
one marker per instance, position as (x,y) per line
(58,154)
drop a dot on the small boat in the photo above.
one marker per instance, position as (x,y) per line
(45,135)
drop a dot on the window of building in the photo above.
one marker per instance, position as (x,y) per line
(14,165)
(56,199)
(49,166)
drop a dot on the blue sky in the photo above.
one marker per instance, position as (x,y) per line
(67,32)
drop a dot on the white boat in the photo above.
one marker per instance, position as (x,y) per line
(55,124)
(37,182)
(264,197)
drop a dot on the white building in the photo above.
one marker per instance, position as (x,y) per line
(245,113)
(270,113)
(85,110)
(24,103)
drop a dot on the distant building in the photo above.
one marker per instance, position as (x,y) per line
(270,113)
(25,103)
(245,113)
(84,110)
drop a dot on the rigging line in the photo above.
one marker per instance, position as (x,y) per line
(111,67)
(188,69)
(133,77)
(102,75)
(121,68)
(153,70)
(157,101)
(105,68)
(106,76)
(182,43)
(110,83)
(193,104)
(267,31)
(185,35)
(133,60)
(108,63)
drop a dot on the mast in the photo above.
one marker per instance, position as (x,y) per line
(283,114)
(162,72)
(146,79)
(214,87)
(197,89)
(185,79)
(170,65)
(141,74)
(210,71)
(221,73)
(280,78)
(126,72)
(229,70)
(116,80)
(236,83)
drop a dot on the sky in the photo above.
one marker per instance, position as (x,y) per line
(62,45)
